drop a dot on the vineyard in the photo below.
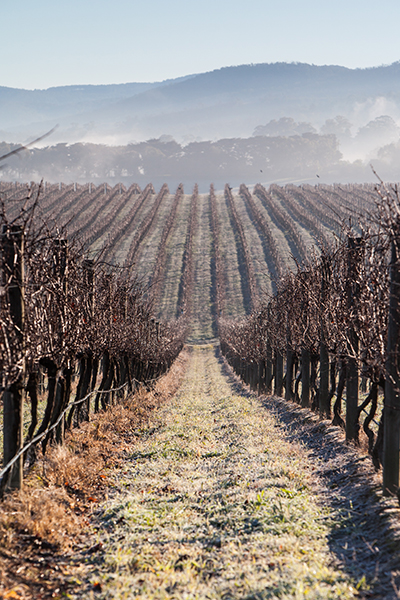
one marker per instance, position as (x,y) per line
(133,226)
(102,287)
(189,260)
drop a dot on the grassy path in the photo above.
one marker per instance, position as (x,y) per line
(234,293)
(214,503)
(201,319)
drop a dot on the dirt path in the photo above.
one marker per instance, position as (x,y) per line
(217,502)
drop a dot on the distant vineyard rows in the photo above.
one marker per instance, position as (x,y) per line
(271,230)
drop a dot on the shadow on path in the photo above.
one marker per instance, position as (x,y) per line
(365,533)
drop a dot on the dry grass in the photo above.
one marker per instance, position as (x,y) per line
(51,515)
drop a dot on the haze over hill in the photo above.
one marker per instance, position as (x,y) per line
(361,107)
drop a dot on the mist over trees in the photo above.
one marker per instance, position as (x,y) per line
(281,150)
(164,160)
(268,122)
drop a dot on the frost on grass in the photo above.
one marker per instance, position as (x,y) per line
(215,503)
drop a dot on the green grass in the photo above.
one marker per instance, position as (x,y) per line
(215,504)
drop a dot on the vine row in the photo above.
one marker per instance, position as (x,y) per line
(248,282)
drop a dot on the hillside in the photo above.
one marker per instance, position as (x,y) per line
(228,102)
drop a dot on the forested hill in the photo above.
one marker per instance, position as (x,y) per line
(228,102)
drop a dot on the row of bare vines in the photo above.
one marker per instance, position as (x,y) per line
(146,224)
(186,284)
(217,270)
(75,336)
(247,263)
(283,220)
(122,227)
(95,209)
(317,201)
(272,255)
(289,201)
(98,229)
(159,267)
(329,337)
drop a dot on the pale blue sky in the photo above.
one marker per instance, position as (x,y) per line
(46,43)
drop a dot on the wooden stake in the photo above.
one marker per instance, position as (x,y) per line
(278,373)
(354,256)
(12,246)
(305,378)
(391,418)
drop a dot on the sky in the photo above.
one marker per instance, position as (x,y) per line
(47,43)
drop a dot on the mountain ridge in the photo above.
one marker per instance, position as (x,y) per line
(225,102)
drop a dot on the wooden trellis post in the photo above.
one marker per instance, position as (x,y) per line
(88,266)
(269,360)
(261,377)
(91,364)
(278,373)
(60,269)
(324,402)
(289,373)
(268,369)
(12,251)
(305,378)
(391,418)
(353,261)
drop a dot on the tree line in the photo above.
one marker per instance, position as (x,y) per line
(165,160)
